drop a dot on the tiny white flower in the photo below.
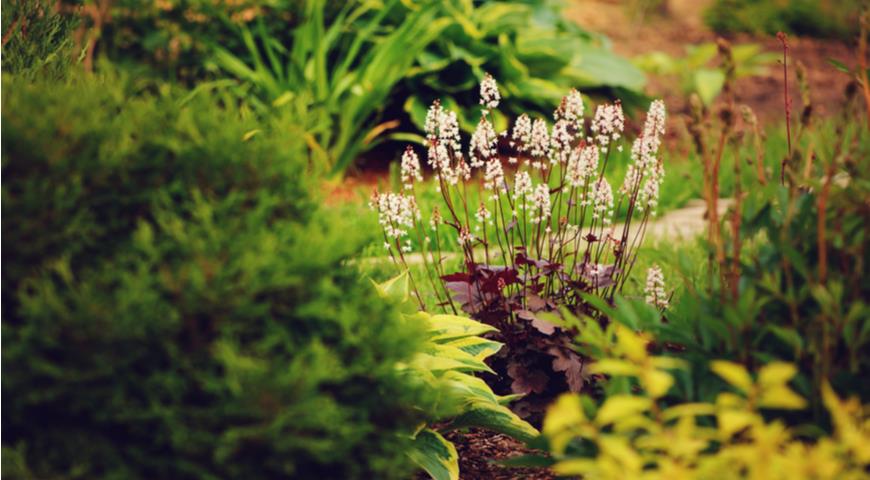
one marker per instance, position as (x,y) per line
(655,288)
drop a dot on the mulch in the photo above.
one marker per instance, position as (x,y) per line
(479,449)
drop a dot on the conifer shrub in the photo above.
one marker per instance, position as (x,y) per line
(174,306)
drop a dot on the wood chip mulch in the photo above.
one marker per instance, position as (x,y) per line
(478,449)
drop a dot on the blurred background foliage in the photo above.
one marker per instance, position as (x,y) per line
(817,18)
(354,74)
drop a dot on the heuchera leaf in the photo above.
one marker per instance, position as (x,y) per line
(571,364)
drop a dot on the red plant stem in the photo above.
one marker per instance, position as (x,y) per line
(783,38)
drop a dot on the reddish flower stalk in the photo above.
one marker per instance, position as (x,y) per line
(783,38)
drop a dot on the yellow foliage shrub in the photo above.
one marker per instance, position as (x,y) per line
(631,436)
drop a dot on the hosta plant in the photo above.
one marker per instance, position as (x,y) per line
(635,434)
(543,236)
(453,353)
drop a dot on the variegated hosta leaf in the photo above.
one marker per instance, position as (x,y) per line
(469,389)
(497,418)
(449,327)
(436,455)
(479,347)
(445,357)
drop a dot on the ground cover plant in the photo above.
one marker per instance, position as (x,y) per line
(554,244)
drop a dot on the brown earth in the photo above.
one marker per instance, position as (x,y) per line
(680,23)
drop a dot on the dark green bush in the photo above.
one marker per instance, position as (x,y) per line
(174,305)
(36,38)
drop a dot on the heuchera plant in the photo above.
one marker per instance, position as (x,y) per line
(542,237)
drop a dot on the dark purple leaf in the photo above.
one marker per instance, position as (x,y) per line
(570,363)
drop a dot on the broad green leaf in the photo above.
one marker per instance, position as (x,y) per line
(469,389)
(434,454)
(480,348)
(733,373)
(449,327)
(708,84)
(497,418)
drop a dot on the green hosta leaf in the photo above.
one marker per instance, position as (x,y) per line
(467,361)
(445,357)
(595,67)
(480,348)
(436,455)
(468,389)
(449,327)
(708,84)
(497,418)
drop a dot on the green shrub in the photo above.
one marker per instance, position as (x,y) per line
(174,305)
(36,39)
(836,18)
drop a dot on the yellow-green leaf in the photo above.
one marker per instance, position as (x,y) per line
(732,421)
(620,406)
(449,327)
(610,366)
(733,373)
(781,397)
(478,347)
(575,466)
(631,344)
(776,374)
(657,382)
(436,455)
(563,414)
(497,418)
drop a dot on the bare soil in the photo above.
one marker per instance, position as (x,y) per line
(680,23)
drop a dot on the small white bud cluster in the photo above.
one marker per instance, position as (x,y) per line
(522,133)
(582,166)
(539,142)
(442,126)
(483,144)
(482,214)
(602,201)
(571,108)
(489,95)
(560,142)
(442,134)
(540,203)
(493,177)
(522,185)
(607,124)
(655,288)
(396,213)
(410,168)
(645,166)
